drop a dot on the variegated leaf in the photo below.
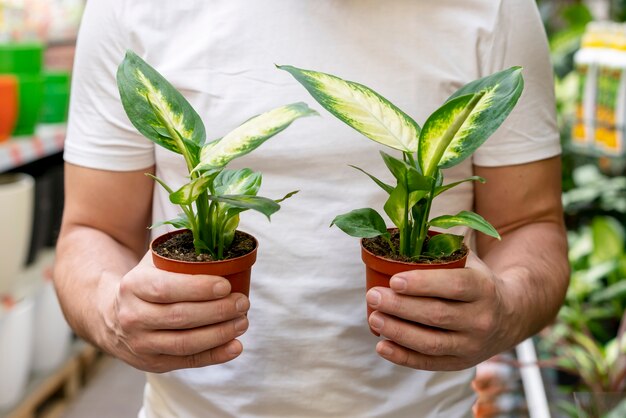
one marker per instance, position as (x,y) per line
(261,204)
(465,218)
(188,193)
(360,108)
(157,109)
(250,135)
(244,181)
(467,119)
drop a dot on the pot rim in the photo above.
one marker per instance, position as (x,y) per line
(368,254)
(198,263)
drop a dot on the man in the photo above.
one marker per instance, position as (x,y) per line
(307,351)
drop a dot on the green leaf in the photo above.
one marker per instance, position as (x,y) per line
(360,108)
(406,174)
(250,135)
(615,291)
(161,182)
(180,222)
(156,108)
(361,223)
(455,130)
(608,239)
(230,226)
(188,193)
(465,218)
(395,206)
(233,211)
(381,184)
(243,181)
(287,196)
(261,204)
(442,245)
(441,189)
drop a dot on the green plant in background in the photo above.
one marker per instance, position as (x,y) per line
(587,339)
(214,197)
(451,134)
(592,193)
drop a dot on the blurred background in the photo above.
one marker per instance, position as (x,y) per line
(575,368)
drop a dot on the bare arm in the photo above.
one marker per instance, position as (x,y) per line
(154,320)
(454,319)
(532,256)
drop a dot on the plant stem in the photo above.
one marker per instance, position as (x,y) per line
(423,222)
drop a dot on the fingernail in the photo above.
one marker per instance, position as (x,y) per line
(398,283)
(373,297)
(384,349)
(233,348)
(241,305)
(376,322)
(241,325)
(221,289)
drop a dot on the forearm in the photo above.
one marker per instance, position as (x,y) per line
(531,261)
(89,266)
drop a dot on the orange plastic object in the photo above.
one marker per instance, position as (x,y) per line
(8,105)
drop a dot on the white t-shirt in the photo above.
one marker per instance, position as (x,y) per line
(308,351)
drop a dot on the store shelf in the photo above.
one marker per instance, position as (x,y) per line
(16,152)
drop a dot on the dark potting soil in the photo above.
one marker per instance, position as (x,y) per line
(180,247)
(380,247)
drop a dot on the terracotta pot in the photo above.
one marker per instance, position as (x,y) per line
(8,104)
(235,270)
(378,270)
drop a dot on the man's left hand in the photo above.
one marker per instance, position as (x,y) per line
(443,319)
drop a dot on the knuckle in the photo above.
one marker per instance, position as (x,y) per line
(180,345)
(193,361)
(434,346)
(156,289)
(394,331)
(484,324)
(177,316)
(137,346)
(225,333)
(394,302)
(441,315)
(460,289)
(128,319)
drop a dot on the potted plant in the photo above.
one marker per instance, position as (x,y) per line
(451,134)
(211,201)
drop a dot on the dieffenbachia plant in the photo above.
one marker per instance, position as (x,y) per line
(450,135)
(214,197)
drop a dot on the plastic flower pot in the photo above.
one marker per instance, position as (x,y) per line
(235,270)
(8,104)
(30,101)
(16,218)
(16,336)
(56,97)
(379,270)
(21,58)
(52,334)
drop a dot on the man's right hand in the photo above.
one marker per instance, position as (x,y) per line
(160,321)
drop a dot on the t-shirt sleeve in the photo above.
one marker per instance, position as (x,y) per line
(99,134)
(530,132)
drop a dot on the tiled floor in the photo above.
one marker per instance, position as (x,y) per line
(116,390)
